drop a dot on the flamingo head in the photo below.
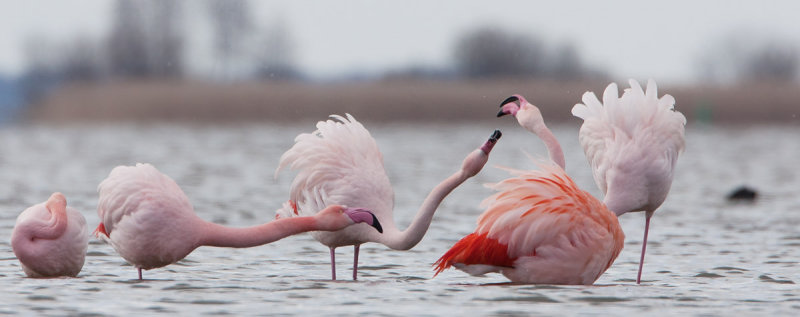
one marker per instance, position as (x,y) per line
(526,113)
(487,147)
(363,215)
(56,203)
(512,105)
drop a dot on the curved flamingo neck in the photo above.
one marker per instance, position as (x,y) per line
(57,224)
(407,239)
(536,125)
(27,232)
(217,235)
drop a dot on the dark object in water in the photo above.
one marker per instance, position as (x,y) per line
(743,193)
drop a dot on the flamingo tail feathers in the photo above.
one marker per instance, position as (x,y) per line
(473,249)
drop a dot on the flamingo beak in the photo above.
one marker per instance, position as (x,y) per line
(509,106)
(365,216)
(487,147)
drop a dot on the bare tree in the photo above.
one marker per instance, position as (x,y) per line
(127,45)
(81,60)
(146,39)
(42,69)
(165,38)
(746,56)
(566,63)
(276,59)
(232,27)
(489,52)
(772,62)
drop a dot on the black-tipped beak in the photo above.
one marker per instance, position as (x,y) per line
(495,136)
(505,102)
(508,100)
(376,224)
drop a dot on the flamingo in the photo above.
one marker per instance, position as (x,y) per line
(149,221)
(632,143)
(539,227)
(50,239)
(340,163)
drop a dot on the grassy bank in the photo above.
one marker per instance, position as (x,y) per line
(383,101)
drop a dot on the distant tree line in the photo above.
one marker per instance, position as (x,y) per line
(493,52)
(148,39)
(746,57)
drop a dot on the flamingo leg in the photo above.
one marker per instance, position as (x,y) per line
(644,246)
(140,273)
(333,265)
(355,262)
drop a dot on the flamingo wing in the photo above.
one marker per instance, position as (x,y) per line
(630,130)
(339,163)
(540,213)
(137,189)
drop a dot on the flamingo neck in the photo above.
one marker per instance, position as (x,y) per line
(54,227)
(553,147)
(216,235)
(407,239)
(25,234)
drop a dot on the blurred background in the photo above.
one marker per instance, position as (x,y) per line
(233,60)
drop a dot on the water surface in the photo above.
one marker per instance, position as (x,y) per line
(705,257)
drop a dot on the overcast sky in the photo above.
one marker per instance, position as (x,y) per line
(629,38)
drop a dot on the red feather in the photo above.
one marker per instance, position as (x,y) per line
(100,229)
(475,249)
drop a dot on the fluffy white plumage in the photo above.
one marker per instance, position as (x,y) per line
(339,163)
(632,143)
(143,209)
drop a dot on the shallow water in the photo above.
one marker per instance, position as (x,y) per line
(705,256)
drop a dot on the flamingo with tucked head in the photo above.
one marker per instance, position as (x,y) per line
(540,227)
(50,239)
(632,143)
(340,163)
(149,221)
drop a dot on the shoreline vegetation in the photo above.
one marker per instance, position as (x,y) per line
(387,100)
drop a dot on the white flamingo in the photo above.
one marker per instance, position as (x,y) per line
(632,143)
(340,163)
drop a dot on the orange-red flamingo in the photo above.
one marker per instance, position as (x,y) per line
(541,228)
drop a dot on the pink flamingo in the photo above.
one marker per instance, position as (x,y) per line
(340,163)
(633,144)
(540,228)
(149,221)
(50,239)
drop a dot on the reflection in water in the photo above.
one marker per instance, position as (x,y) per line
(708,255)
